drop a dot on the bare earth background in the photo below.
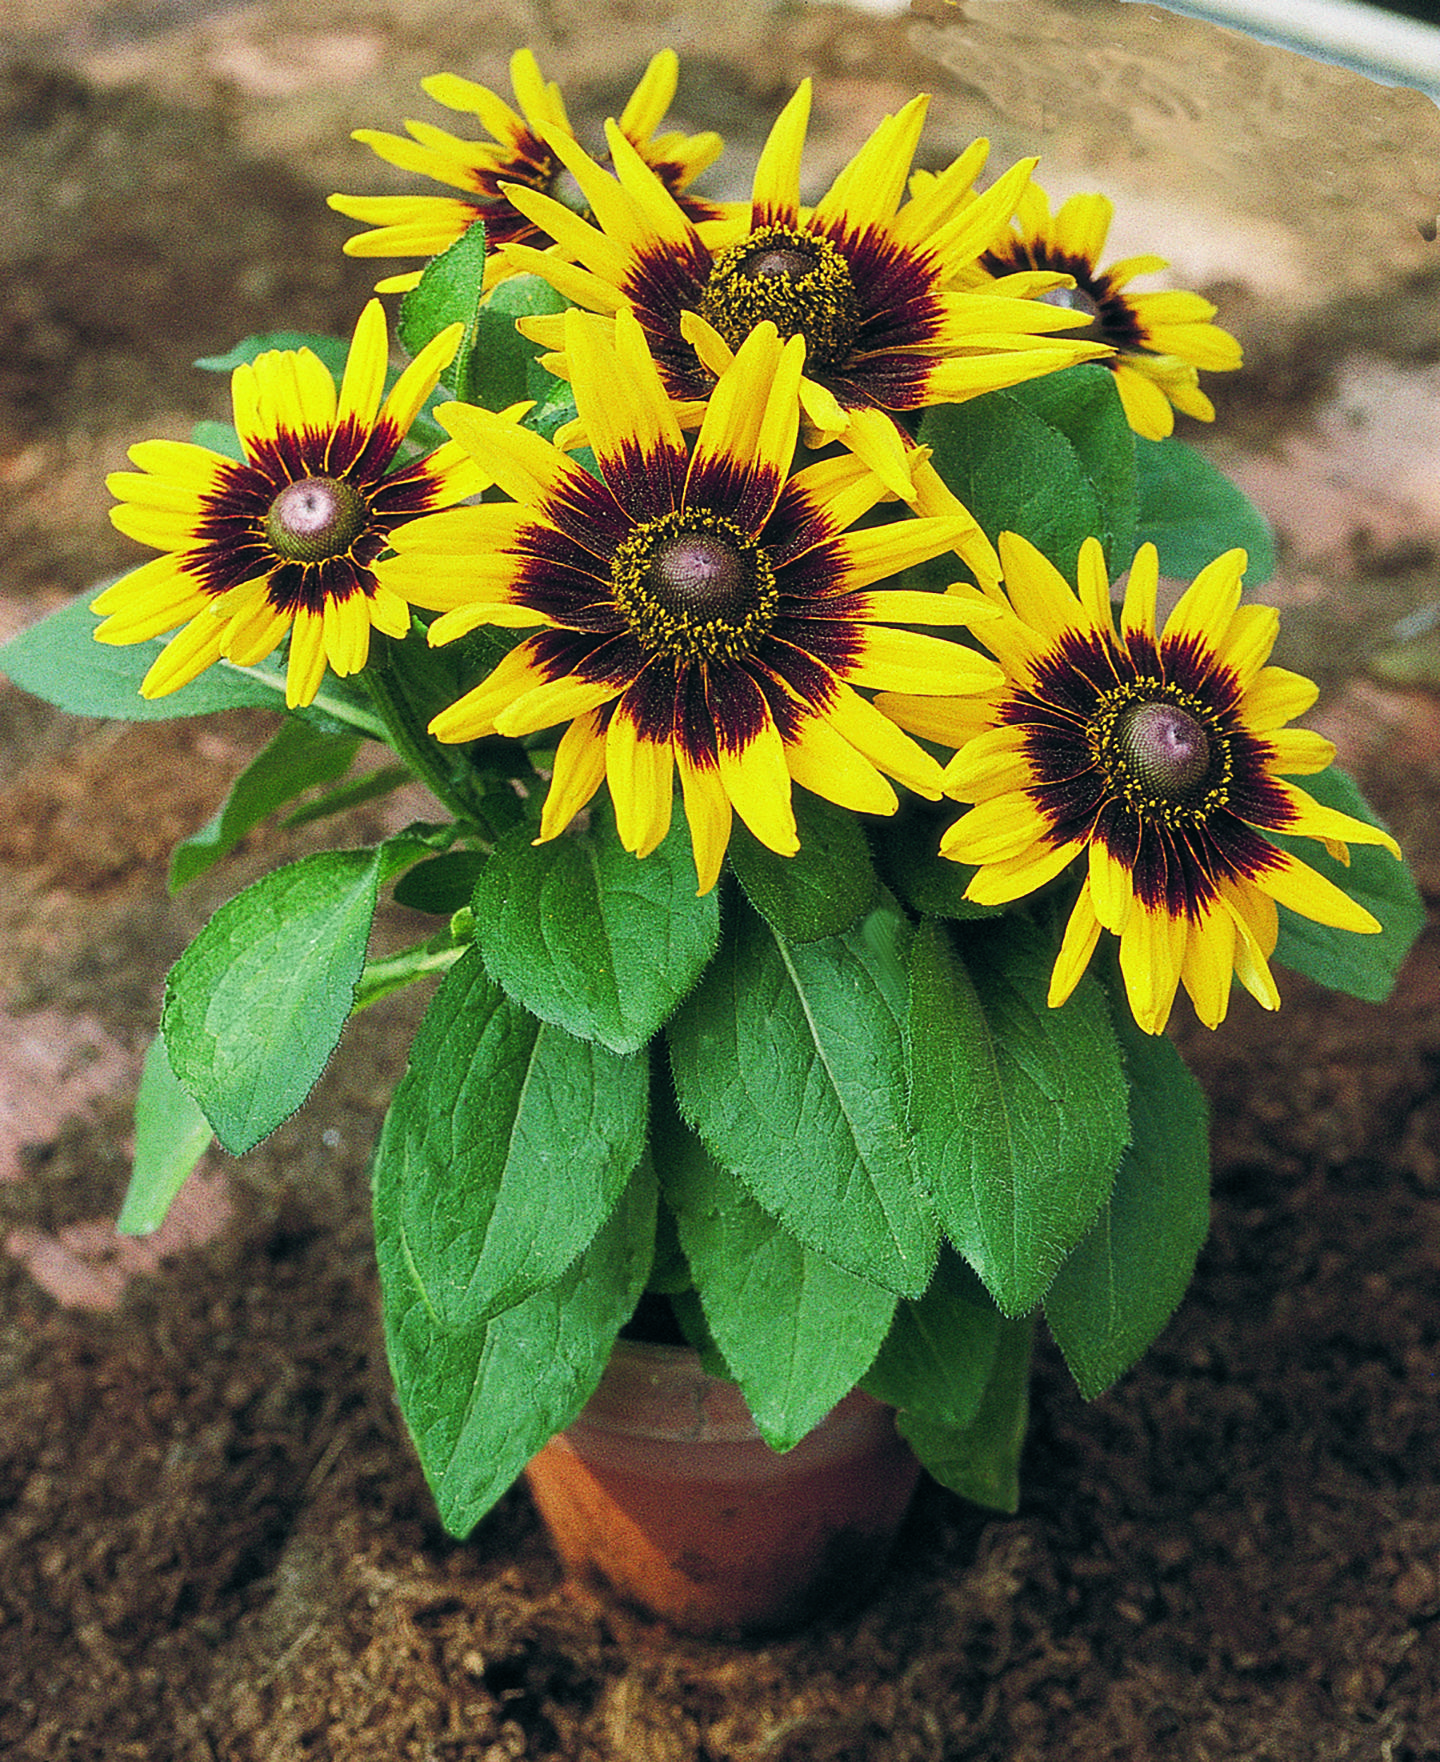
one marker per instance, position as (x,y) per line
(216,1545)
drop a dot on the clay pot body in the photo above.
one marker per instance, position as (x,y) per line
(664,1492)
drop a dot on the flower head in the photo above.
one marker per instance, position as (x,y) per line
(1159,762)
(518,153)
(865,277)
(283,541)
(1160,339)
(694,610)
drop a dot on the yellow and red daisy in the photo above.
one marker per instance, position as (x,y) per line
(865,277)
(519,152)
(1160,339)
(700,610)
(283,542)
(1159,762)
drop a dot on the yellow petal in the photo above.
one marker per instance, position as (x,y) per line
(1294,884)
(1000,882)
(621,400)
(1038,591)
(579,771)
(364,382)
(526,467)
(1082,933)
(1209,963)
(1152,952)
(1314,821)
(868,191)
(880,740)
(775,191)
(708,811)
(824,762)
(1137,618)
(421,377)
(347,634)
(757,780)
(555,701)
(306,666)
(1276,696)
(752,422)
(1112,888)
(641,775)
(1203,612)
(996,830)
(1299,752)
(184,657)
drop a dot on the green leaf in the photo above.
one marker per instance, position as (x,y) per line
(481,1397)
(220,437)
(938,1357)
(981,1462)
(910,860)
(796,1333)
(1192,513)
(171,1135)
(1052,460)
(587,936)
(1122,1284)
(423,960)
(1082,404)
(1365,966)
(448,292)
(333,351)
(1019,1110)
(500,368)
(825,888)
(505,1149)
(59,660)
(369,786)
(256,1004)
(789,1064)
(299,757)
(441,885)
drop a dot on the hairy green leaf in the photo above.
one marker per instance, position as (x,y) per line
(587,936)
(1121,1285)
(480,1397)
(171,1135)
(1192,513)
(256,1004)
(1019,1110)
(504,1150)
(789,1064)
(823,1325)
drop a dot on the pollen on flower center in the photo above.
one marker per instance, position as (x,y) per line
(695,587)
(315,518)
(798,280)
(1163,754)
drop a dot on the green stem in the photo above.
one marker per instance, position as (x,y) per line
(440,769)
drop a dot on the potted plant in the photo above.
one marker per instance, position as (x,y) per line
(827,813)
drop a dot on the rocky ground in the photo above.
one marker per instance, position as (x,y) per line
(216,1544)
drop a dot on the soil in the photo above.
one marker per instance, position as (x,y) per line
(217,1546)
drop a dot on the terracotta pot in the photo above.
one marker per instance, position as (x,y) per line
(664,1492)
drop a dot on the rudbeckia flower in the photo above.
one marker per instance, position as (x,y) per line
(519,153)
(283,542)
(1159,764)
(1160,339)
(693,610)
(864,277)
